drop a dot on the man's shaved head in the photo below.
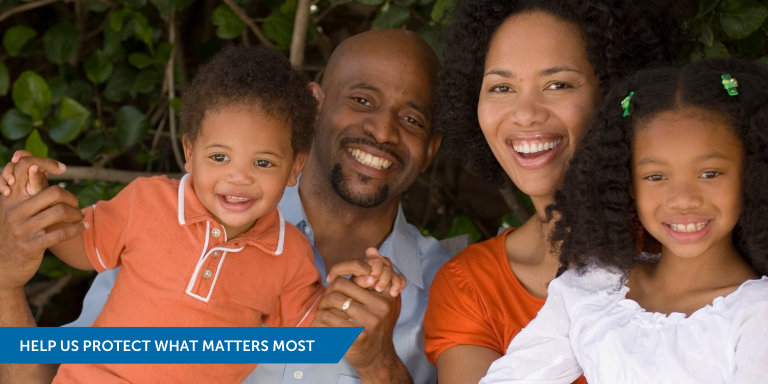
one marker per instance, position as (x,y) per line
(389,44)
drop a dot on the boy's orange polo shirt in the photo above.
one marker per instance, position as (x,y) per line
(179,269)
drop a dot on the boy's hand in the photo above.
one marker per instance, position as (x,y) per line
(375,272)
(31,172)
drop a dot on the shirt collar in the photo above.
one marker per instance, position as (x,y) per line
(400,246)
(267,234)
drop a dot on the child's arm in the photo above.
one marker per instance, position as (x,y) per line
(541,352)
(375,272)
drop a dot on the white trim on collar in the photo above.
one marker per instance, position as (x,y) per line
(281,238)
(182,186)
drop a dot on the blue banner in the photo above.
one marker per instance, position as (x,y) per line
(175,345)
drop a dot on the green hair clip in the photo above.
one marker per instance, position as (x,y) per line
(730,84)
(625,103)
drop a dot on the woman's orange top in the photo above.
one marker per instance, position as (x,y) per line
(476,299)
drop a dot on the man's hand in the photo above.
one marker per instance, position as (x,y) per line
(373,353)
(23,238)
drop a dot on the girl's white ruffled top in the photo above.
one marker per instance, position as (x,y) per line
(589,326)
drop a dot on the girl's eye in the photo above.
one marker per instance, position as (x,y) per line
(264,163)
(710,174)
(559,85)
(654,178)
(219,158)
(501,88)
(363,101)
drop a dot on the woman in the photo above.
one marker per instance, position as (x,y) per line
(531,73)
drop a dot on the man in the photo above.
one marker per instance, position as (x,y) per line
(373,138)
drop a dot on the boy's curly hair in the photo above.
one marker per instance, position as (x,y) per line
(251,77)
(594,221)
(621,37)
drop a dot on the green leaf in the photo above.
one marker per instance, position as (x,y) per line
(509,221)
(117,19)
(228,25)
(164,7)
(752,44)
(145,82)
(131,125)
(36,145)
(706,36)
(119,84)
(90,145)
(135,4)
(141,29)
(706,7)
(16,37)
(163,54)
(60,42)
(740,18)
(5,155)
(139,60)
(5,79)
(176,104)
(15,125)
(440,9)
(32,95)
(58,87)
(80,91)
(98,68)
(6,5)
(279,28)
(463,225)
(96,6)
(113,47)
(404,3)
(339,1)
(391,16)
(716,50)
(71,120)
(370,2)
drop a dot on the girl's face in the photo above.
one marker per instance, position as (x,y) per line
(539,91)
(686,173)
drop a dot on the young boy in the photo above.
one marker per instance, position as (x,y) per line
(211,249)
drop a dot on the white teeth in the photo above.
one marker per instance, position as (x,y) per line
(689,228)
(236,199)
(369,160)
(534,147)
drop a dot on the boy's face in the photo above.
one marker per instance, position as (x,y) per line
(241,162)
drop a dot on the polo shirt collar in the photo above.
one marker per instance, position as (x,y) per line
(400,246)
(268,234)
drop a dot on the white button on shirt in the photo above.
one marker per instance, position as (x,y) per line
(215,232)
(588,325)
(298,375)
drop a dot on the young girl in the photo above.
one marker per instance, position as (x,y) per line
(676,162)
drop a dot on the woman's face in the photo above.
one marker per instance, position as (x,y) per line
(539,92)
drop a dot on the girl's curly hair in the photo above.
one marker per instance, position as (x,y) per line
(595,224)
(621,37)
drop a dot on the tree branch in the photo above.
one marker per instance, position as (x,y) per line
(249,22)
(299,39)
(114,175)
(172,93)
(26,7)
(514,203)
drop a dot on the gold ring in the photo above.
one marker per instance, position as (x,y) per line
(346,305)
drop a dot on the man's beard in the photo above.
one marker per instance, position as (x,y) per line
(341,186)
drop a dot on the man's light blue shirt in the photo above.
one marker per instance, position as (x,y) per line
(416,257)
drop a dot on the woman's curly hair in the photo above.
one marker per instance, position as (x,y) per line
(621,37)
(595,224)
(251,76)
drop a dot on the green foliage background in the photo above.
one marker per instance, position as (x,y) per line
(98,83)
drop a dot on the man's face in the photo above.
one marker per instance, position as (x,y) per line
(373,131)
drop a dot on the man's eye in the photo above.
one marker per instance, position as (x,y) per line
(710,174)
(411,120)
(219,158)
(363,101)
(264,163)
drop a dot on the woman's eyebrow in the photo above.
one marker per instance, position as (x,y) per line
(553,70)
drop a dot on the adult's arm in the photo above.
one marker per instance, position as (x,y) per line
(464,364)
(373,354)
(23,240)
